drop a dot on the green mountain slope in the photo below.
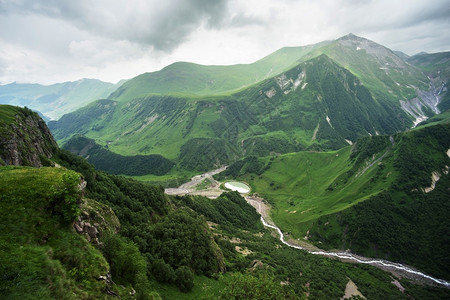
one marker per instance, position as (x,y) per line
(190,78)
(101,158)
(58,99)
(387,76)
(41,256)
(377,198)
(437,68)
(135,242)
(315,105)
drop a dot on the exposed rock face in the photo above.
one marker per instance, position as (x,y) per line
(26,140)
(95,219)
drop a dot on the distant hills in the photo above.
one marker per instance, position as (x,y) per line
(318,97)
(194,79)
(55,100)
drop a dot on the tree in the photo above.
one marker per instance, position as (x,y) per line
(184,279)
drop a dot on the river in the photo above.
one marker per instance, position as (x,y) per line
(263,209)
(386,265)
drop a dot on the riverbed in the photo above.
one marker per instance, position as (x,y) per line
(263,209)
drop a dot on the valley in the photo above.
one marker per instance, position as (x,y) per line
(264,211)
(311,172)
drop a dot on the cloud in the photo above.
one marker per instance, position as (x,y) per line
(58,40)
(160,24)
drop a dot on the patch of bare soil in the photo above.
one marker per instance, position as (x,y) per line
(351,290)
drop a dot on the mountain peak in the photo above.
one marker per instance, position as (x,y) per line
(351,37)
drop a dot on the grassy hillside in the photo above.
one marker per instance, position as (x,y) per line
(315,105)
(197,79)
(369,198)
(385,74)
(306,185)
(24,138)
(165,246)
(101,158)
(41,256)
(57,99)
(407,221)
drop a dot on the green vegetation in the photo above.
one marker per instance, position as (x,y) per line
(368,198)
(168,239)
(403,222)
(210,80)
(24,138)
(228,209)
(298,186)
(268,269)
(159,248)
(101,158)
(316,105)
(8,115)
(40,255)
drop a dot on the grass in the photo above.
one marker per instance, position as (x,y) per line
(7,113)
(210,80)
(204,288)
(174,178)
(298,187)
(50,259)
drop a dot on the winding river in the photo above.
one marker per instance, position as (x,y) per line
(262,209)
(360,259)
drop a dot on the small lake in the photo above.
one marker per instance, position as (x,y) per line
(237,186)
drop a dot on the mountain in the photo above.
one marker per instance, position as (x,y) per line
(330,95)
(402,55)
(190,78)
(437,67)
(24,138)
(101,158)
(133,241)
(58,99)
(314,105)
(386,75)
(385,196)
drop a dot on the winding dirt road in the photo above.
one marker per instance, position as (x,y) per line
(189,188)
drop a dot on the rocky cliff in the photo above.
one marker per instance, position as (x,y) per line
(25,139)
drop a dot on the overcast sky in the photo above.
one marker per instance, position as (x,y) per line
(52,41)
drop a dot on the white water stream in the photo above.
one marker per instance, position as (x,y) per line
(359,259)
(187,189)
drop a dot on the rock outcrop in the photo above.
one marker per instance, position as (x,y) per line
(95,219)
(25,139)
